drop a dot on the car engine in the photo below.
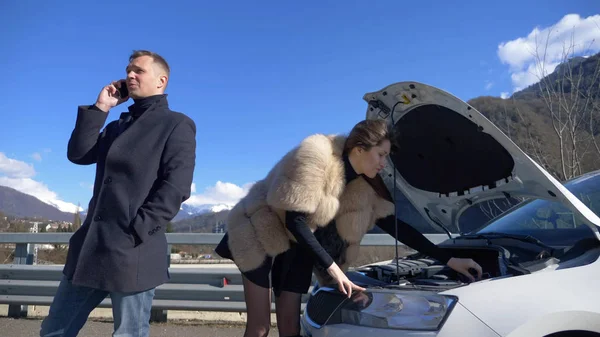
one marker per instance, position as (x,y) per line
(419,271)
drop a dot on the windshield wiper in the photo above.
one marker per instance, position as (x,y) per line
(496,235)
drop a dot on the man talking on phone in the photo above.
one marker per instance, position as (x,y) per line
(144,168)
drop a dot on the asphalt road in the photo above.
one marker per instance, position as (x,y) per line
(29,327)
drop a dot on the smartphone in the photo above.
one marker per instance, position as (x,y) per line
(123,90)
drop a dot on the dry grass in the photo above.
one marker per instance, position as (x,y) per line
(56,256)
(194,250)
(6,255)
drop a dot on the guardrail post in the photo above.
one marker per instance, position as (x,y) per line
(160,315)
(15,310)
(30,253)
(169,248)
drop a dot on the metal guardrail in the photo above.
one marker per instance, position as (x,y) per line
(205,289)
(189,238)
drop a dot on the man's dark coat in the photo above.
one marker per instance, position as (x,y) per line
(142,177)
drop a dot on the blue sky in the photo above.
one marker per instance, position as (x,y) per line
(256,77)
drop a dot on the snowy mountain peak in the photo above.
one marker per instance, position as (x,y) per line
(63,206)
(188,211)
(199,209)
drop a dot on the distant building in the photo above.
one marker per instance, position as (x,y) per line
(55,226)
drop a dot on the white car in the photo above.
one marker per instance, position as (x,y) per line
(456,170)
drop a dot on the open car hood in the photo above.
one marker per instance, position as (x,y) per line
(450,157)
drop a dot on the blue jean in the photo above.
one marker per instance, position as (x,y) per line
(73,304)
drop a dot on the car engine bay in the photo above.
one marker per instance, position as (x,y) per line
(418,271)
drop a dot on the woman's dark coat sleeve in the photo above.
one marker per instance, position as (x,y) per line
(296,224)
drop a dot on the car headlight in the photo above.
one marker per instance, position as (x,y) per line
(388,309)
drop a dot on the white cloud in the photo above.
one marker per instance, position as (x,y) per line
(36,156)
(86,185)
(489,85)
(193,187)
(221,193)
(536,55)
(15,168)
(18,175)
(504,95)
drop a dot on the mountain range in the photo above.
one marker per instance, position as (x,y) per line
(21,205)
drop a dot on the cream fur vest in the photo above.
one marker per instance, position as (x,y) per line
(311,179)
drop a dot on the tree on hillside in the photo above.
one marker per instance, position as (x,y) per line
(17,227)
(76,219)
(570,97)
(3,220)
(534,139)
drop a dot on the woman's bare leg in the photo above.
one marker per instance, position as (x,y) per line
(258,308)
(288,313)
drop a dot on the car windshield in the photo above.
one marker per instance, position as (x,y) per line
(551,222)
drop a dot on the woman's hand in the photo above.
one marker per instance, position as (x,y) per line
(344,284)
(463,265)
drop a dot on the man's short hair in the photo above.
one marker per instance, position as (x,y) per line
(155,57)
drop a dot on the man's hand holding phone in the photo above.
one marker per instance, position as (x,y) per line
(112,95)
